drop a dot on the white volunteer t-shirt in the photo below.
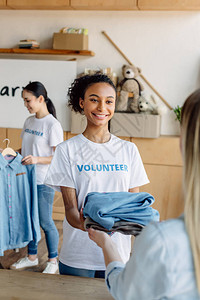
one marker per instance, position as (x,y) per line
(79,163)
(39,136)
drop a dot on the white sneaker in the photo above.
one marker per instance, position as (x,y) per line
(24,263)
(51,268)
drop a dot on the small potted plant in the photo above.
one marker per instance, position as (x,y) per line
(177,111)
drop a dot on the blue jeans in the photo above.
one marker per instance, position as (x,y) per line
(45,207)
(67,270)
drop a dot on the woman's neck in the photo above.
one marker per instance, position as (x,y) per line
(42,113)
(97,135)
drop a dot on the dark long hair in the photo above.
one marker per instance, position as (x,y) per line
(37,89)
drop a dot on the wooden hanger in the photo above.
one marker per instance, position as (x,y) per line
(7,150)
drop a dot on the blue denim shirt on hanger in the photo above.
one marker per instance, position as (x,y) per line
(19,219)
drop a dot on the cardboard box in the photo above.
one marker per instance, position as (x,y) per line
(70,41)
(124,124)
(135,125)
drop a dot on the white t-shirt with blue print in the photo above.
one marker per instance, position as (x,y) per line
(39,136)
(79,163)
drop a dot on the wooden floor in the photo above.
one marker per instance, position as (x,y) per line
(11,256)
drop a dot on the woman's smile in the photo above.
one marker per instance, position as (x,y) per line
(100,116)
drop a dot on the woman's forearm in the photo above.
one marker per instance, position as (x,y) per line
(104,241)
(73,217)
(110,252)
(72,213)
(44,160)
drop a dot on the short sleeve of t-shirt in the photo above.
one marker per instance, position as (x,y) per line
(55,135)
(59,172)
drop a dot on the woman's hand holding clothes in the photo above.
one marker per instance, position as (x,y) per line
(30,160)
(99,237)
(104,241)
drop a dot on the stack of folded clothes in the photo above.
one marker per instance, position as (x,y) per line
(123,212)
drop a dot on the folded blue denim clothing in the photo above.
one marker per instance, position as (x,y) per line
(108,208)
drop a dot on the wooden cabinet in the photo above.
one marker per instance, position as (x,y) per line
(169,4)
(2,137)
(104,4)
(3,4)
(14,135)
(165,186)
(101,4)
(163,163)
(38,4)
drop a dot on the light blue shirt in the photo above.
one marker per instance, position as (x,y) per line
(19,219)
(161,266)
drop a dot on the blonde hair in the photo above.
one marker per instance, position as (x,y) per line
(190,142)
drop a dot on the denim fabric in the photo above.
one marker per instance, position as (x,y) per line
(45,204)
(108,208)
(160,267)
(19,220)
(67,270)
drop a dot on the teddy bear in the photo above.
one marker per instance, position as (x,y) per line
(129,85)
(148,105)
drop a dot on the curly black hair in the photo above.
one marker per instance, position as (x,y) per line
(81,84)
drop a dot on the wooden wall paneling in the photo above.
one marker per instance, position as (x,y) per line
(169,4)
(38,4)
(126,138)
(70,135)
(2,137)
(163,151)
(65,135)
(14,135)
(58,207)
(3,4)
(104,4)
(166,187)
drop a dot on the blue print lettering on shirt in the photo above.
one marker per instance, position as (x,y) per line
(35,132)
(103,167)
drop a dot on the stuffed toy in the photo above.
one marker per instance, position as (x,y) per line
(148,105)
(129,85)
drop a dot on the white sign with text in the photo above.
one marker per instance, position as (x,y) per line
(56,76)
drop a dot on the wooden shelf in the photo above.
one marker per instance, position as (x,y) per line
(38,4)
(46,51)
(104,4)
(168,5)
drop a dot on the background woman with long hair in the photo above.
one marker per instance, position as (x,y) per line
(41,133)
(165,263)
